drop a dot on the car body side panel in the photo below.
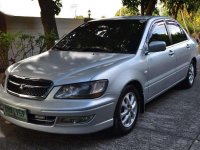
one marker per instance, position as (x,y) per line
(161,71)
(183,59)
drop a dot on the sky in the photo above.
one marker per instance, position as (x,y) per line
(70,9)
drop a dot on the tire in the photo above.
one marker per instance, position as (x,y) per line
(126,112)
(189,80)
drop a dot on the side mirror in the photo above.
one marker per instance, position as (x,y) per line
(157,46)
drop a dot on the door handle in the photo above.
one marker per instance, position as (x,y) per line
(187,46)
(171,53)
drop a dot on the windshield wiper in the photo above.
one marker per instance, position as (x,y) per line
(92,49)
(88,49)
(59,47)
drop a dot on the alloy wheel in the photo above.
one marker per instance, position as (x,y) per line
(128,109)
(191,74)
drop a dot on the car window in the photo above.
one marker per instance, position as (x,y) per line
(159,33)
(111,36)
(177,34)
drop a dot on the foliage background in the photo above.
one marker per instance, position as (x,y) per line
(22,45)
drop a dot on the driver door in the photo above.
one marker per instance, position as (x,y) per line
(161,65)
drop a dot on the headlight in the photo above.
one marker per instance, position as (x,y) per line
(84,90)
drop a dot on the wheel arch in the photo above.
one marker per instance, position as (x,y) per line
(194,60)
(139,87)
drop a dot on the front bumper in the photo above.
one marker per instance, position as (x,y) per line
(102,109)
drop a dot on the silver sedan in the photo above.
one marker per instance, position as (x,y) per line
(100,75)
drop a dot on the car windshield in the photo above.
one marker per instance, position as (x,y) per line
(113,36)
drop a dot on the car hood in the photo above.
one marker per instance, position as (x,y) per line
(60,66)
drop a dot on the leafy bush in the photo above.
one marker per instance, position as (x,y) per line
(18,46)
(6,40)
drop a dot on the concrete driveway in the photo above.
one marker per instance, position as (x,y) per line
(171,122)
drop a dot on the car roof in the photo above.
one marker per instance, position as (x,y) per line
(135,18)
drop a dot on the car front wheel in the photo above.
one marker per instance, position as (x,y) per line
(126,112)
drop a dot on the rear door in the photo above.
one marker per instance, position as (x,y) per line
(161,65)
(181,47)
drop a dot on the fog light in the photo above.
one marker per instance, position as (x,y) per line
(75,119)
(40,117)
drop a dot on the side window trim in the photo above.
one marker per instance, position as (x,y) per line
(181,29)
(169,34)
(151,30)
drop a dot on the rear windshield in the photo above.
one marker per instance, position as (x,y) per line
(117,36)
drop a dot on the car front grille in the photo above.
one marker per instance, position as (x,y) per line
(28,87)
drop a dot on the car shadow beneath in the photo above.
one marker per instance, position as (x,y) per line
(164,97)
(30,138)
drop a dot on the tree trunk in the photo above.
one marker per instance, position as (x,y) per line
(184,22)
(4,63)
(151,7)
(192,22)
(142,7)
(48,18)
(3,27)
(176,11)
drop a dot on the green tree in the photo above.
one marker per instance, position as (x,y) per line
(193,12)
(124,11)
(147,7)
(50,8)
(175,6)
(192,21)
(183,9)
(79,17)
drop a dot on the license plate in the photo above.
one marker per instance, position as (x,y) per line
(16,113)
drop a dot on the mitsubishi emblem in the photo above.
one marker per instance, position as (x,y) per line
(22,86)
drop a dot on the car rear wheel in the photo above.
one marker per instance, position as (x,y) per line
(126,112)
(189,80)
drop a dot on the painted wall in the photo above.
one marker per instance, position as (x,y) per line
(33,25)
